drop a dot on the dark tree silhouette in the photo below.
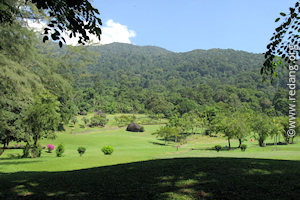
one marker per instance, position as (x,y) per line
(75,17)
(285,35)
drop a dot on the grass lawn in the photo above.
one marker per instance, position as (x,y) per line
(142,167)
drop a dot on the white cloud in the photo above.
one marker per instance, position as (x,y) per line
(116,32)
(111,32)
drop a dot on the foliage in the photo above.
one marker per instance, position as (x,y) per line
(36,151)
(85,120)
(98,120)
(60,150)
(218,147)
(74,120)
(26,151)
(223,124)
(167,133)
(285,36)
(261,126)
(41,119)
(124,120)
(107,150)
(81,150)
(75,18)
(243,147)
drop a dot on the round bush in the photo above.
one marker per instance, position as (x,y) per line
(218,147)
(81,150)
(243,147)
(107,150)
(60,150)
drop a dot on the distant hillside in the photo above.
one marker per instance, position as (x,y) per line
(153,66)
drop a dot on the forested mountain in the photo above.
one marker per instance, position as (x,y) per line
(153,67)
(127,78)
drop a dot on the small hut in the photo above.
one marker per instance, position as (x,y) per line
(134,127)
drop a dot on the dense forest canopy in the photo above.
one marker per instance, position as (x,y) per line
(126,78)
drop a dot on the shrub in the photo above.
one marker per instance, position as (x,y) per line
(85,120)
(50,148)
(107,150)
(124,120)
(60,150)
(81,150)
(243,147)
(218,147)
(98,120)
(36,151)
(142,129)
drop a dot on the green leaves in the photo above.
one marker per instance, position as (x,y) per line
(45,38)
(281,39)
(282,14)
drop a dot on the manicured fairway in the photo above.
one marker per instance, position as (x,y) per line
(142,167)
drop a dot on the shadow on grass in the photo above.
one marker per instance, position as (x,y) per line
(279,143)
(180,178)
(223,149)
(157,143)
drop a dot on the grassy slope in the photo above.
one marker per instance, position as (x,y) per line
(188,178)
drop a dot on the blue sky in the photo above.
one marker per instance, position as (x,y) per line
(182,26)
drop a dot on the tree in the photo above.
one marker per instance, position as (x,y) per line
(166,133)
(284,121)
(277,128)
(42,118)
(74,120)
(261,126)
(185,105)
(285,35)
(85,120)
(76,17)
(222,124)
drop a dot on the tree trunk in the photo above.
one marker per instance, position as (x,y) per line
(2,149)
(35,142)
(240,143)
(229,144)
(261,143)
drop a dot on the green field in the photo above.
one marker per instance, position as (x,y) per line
(142,167)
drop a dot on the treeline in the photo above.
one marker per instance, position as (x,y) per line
(35,99)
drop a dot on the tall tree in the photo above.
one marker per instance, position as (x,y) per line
(41,119)
(261,125)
